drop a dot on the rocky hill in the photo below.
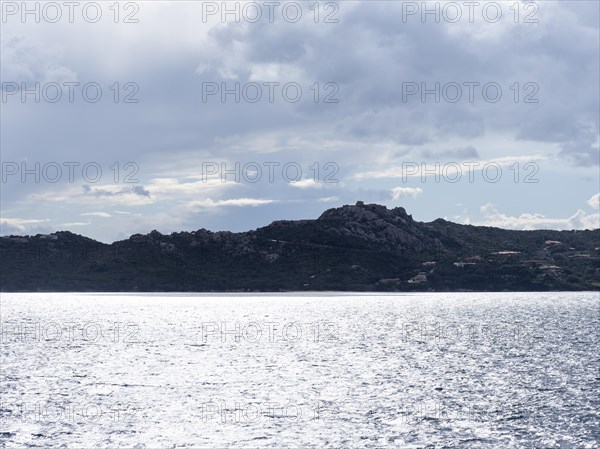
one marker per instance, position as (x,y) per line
(365,247)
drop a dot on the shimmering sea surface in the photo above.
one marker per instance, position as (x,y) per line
(145,371)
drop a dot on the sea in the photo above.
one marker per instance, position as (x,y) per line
(291,370)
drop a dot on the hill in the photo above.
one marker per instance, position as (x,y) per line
(365,247)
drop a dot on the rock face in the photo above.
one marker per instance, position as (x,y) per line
(375,224)
(360,247)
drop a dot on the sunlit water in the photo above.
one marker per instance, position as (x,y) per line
(464,370)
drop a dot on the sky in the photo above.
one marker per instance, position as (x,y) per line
(122,118)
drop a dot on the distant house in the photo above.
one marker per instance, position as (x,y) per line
(429,264)
(418,279)
(550,268)
(389,281)
(552,242)
(462,264)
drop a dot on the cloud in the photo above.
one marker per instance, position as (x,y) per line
(30,60)
(582,149)
(451,171)
(467,153)
(594,201)
(122,212)
(115,190)
(399,193)
(307,184)
(529,221)
(96,214)
(76,223)
(238,202)
(368,134)
(23,226)
(154,192)
(329,199)
(114,194)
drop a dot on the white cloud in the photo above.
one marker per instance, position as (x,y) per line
(23,226)
(155,191)
(122,212)
(529,221)
(307,184)
(97,195)
(329,199)
(237,202)
(76,223)
(96,214)
(405,192)
(594,201)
